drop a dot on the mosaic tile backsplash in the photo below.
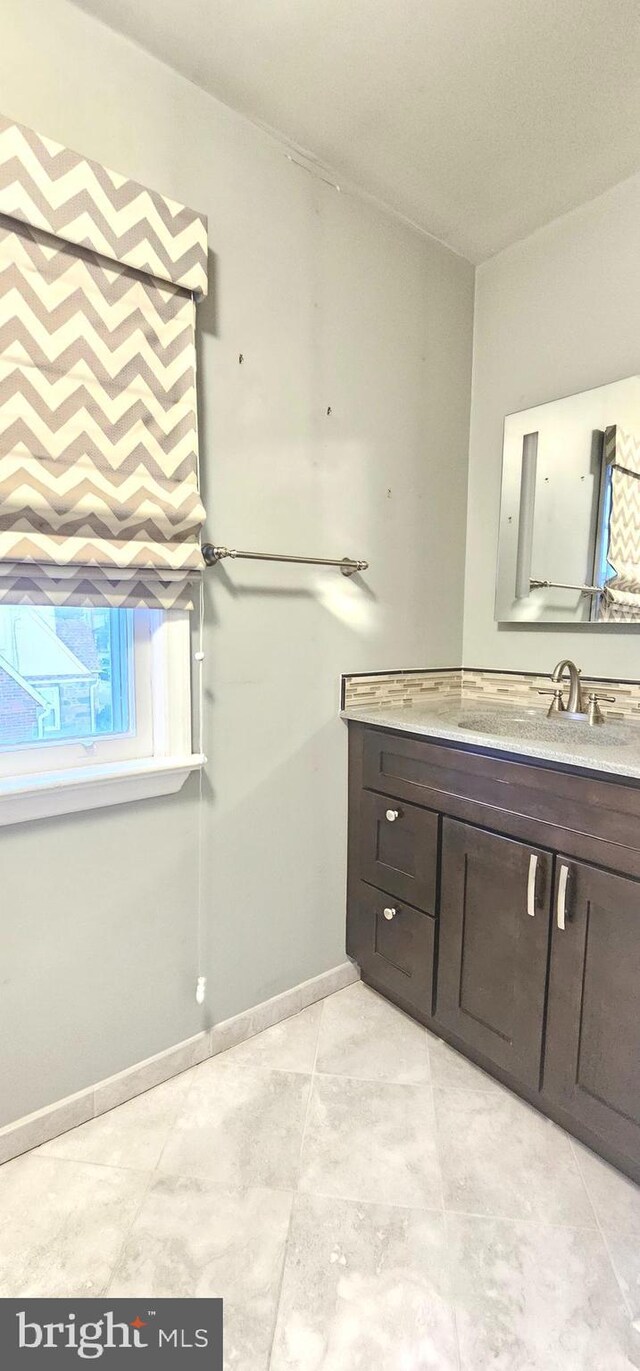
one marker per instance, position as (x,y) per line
(423,688)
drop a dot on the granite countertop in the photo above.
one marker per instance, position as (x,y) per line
(610,748)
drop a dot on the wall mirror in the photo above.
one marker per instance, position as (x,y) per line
(569,541)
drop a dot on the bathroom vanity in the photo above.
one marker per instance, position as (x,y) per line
(494,894)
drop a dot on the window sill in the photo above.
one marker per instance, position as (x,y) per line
(92,787)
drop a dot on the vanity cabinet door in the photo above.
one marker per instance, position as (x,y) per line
(494,938)
(592,1053)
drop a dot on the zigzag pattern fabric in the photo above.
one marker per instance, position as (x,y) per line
(622,591)
(49,187)
(99,498)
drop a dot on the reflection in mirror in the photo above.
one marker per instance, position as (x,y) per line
(569,544)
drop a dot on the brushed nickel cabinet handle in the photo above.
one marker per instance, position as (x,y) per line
(392,815)
(389,913)
(562,897)
(531,885)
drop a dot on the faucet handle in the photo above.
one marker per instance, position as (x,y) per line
(595,714)
(557,703)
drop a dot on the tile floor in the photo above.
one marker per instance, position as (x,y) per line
(360,1195)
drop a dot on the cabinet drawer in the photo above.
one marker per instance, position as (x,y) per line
(393,945)
(399,849)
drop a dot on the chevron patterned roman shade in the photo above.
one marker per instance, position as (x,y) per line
(622,590)
(99,498)
(47,186)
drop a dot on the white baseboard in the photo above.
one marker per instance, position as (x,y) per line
(35,1129)
(265,1015)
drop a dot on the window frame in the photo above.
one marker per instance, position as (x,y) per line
(65,776)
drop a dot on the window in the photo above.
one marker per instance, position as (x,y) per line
(603,570)
(65,673)
(88,695)
(99,488)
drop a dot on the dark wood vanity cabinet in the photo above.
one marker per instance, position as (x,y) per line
(498,901)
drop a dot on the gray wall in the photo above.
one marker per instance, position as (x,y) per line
(555,314)
(332,304)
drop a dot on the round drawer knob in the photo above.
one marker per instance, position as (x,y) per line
(392,815)
(389,913)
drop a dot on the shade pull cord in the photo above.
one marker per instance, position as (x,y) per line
(201,979)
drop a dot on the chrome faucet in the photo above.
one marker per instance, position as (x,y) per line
(575,702)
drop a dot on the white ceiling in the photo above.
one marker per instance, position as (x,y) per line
(480,120)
